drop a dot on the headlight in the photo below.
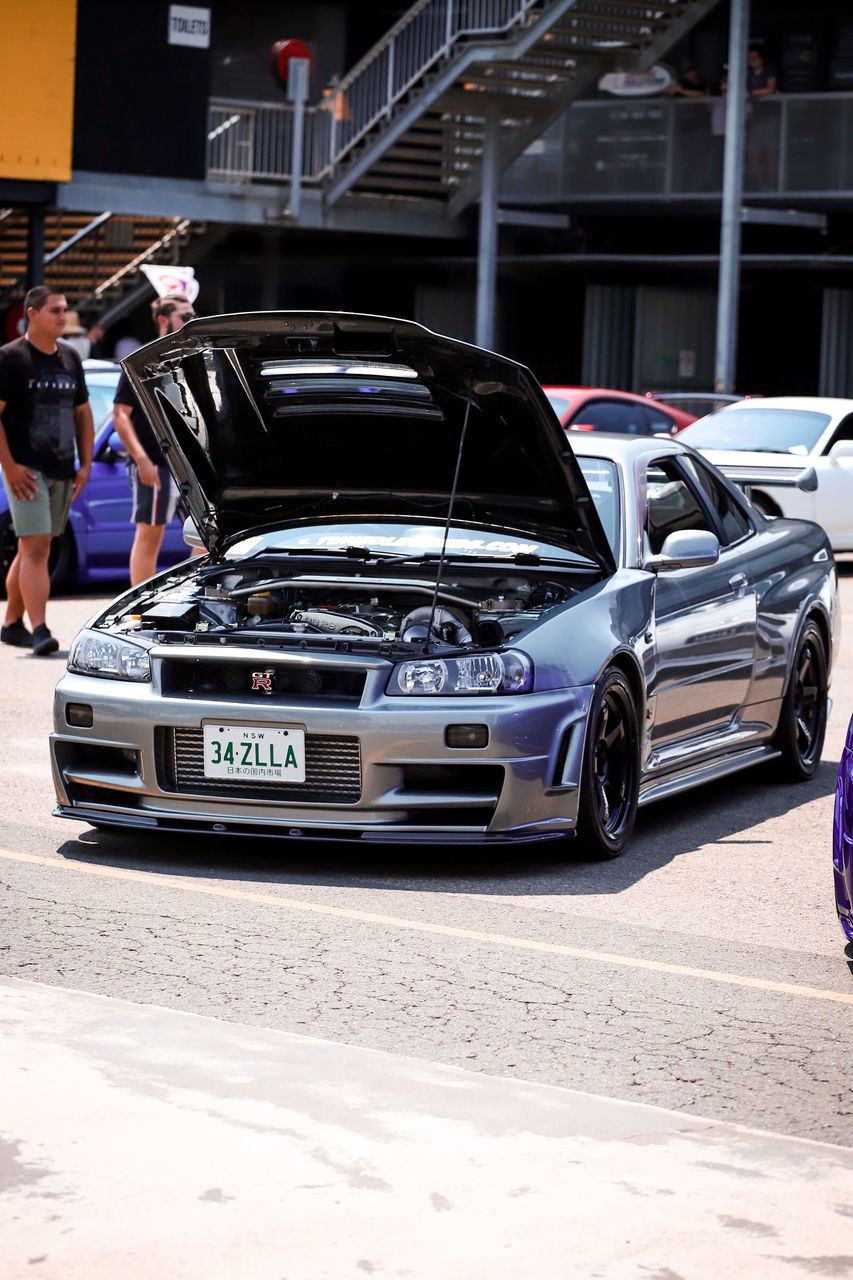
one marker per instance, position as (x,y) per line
(94,654)
(509,672)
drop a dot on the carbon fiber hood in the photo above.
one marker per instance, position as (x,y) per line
(273,418)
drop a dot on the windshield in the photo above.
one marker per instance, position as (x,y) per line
(101,395)
(750,428)
(392,539)
(559,404)
(602,482)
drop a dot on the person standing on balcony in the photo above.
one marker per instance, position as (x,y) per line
(691,85)
(44,412)
(693,149)
(155,494)
(762,143)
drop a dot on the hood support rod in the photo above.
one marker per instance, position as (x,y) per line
(450,507)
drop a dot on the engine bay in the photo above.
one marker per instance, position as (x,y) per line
(471,609)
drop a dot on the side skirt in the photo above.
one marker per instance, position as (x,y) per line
(697,776)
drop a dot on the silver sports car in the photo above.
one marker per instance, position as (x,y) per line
(422,617)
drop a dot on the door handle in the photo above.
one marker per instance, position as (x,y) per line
(738,580)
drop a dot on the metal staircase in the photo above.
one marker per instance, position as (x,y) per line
(92,258)
(411,119)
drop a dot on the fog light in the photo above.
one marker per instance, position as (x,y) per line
(80,715)
(466,735)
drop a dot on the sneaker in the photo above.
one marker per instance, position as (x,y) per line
(16,633)
(43,641)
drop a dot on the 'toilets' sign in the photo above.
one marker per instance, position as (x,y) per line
(189,25)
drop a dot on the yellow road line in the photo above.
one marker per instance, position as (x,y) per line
(428,927)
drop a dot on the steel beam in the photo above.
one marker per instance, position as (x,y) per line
(487,245)
(729,281)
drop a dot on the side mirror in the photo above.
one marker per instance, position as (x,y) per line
(113,450)
(191,534)
(686,549)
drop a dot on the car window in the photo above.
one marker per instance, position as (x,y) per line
(611,415)
(733,519)
(844,431)
(603,483)
(658,420)
(101,396)
(671,504)
(748,426)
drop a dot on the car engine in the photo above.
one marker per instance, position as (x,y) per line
(482,609)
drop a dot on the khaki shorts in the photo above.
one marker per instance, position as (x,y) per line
(47,512)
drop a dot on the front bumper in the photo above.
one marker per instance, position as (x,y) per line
(383,772)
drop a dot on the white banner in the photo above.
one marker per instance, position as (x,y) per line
(166,280)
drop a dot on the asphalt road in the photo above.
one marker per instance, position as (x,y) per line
(704,971)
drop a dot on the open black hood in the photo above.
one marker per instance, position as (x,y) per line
(280,417)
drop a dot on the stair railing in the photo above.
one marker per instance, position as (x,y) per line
(419,40)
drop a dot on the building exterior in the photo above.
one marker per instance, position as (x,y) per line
(165,131)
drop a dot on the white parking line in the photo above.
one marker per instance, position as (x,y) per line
(428,927)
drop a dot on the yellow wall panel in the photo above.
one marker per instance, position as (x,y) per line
(37,88)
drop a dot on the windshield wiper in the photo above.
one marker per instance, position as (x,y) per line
(336,553)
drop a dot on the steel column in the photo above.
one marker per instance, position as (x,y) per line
(297,92)
(35,246)
(730,230)
(487,246)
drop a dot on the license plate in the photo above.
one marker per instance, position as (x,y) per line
(255,754)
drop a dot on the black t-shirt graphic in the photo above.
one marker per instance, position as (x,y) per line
(41,392)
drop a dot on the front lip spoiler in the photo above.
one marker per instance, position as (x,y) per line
(201,826)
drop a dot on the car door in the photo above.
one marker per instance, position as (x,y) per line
(704,622)
(832,505)
(105,507)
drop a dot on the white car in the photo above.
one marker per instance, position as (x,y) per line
(771,445)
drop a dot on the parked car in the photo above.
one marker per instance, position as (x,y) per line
(842,838)
(423,619)
(95,546)
(774,440)
(597,409)
(697,403)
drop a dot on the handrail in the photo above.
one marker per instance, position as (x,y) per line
(178,229)
(59,250)
(417,41)
(78,236)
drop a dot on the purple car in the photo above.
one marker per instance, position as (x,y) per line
(842,837)
(95,546)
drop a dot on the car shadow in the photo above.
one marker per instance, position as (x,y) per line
(725,812)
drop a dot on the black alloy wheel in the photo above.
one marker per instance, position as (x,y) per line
(611,769)
(802,723)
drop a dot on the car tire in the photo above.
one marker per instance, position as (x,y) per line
(62,565)
(610,775)
(802,721)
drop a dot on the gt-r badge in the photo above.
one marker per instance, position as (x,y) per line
(263,680)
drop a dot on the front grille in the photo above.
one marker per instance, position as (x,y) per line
(332,770)
(197,678)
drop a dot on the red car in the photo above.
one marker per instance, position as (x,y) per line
(600,409)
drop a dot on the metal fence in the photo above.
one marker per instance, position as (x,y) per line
(660,147)
(796,144)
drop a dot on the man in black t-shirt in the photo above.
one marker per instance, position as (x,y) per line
(155,494)
(44,412)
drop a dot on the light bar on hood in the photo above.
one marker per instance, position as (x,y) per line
(351,368)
